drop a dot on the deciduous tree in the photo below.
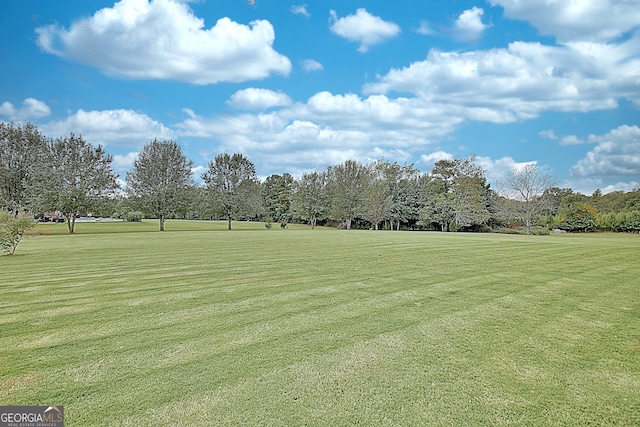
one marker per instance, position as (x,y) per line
(310,199)
(346,184)
(78,177)
(233,186)
(22,150)
(161,178)
(456,193)
(528,186)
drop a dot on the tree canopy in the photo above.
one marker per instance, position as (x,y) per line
(68,177)
(233,186)
(160,179)
(77,177)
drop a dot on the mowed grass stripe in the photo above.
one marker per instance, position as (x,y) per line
(290,327)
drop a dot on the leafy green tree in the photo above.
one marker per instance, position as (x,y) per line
(456,192)
(12,228)
(395,187)
(310,199)
(233,186)
(161,179)
(78,177)
(22,151)
(581,217)
(347,184)
(528,186)
(378,202)
(438,205)
(277,192)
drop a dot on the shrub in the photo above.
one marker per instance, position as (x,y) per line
(12,228)
(134,216)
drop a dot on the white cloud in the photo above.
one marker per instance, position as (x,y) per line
(310,65)
(504,85)
(427,161)
(164,40)
(548,134)
(31,109)
(571,140)
(425,29)
(621,186)
(567,20)
(496,170)
(300,9)
(258,99)
(123,162)
(617,153)
(469,25)
(363,28)
(326,129)
(110,127)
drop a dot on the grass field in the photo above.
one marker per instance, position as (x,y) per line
(126,326)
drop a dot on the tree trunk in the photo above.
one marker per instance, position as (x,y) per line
(313,223)
(162,219)
(71,223)
(229,223)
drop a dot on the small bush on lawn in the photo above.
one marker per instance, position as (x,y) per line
(134,216)
(12,228)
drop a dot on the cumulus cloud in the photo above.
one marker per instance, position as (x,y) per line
(110,127)
(363,28)
(300,9)
(163,39)
(469,25)
(31,109)
(310,65)
(123,162)
(497,169)
(573,20)
(516,83)
(258,99)
(326,129)
(428,161)
(616,153)
(621,186)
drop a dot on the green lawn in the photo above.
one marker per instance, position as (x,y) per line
(200,326)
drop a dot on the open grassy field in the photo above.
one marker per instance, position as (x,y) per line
(201,327)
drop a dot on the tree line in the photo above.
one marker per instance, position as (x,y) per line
(71,177)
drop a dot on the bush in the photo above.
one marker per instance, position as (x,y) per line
(12,228)
(540,231)
(134,216)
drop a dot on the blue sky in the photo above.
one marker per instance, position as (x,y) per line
(299,86)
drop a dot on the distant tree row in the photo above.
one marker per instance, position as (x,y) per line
(70,176)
